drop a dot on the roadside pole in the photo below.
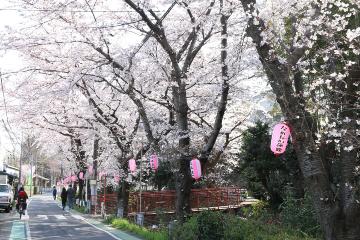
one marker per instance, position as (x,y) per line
(141,175)
(19,183)
(31,174)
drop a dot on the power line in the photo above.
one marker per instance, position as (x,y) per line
(3,94)
(8,129)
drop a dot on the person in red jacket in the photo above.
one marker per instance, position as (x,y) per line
(22,197)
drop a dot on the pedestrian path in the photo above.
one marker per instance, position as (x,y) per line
(47,220)
(96,222)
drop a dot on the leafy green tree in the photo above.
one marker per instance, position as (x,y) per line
(163,177)
(268,176)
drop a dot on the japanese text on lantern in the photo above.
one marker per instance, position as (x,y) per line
(279,138)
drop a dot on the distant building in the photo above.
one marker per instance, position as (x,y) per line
(40,184)
(8,174)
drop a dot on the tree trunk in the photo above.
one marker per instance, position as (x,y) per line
(183,183)
(209,145)
(123,197)
(183,179)
(81,189)
(338,214)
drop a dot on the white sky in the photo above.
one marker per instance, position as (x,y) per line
(9,60)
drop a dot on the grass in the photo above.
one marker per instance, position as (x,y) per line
(143,232)
(214,226)
(236,229)
(258,230)
(81,209)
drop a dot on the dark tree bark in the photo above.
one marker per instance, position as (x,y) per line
(209,145)
(123,193)
(77,149)
(96,154)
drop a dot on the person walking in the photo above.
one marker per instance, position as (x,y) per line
(54,192)
(63,197)
(70,197)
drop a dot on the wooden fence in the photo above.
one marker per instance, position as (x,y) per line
(164,201)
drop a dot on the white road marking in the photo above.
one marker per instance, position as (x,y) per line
(60,217)
(78,217)
(107,232)
(28,204)
(27,228)
(44,217)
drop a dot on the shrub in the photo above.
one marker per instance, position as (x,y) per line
(211,225)
(186,231)
(240,229)
(300,214)
(215,225)
(109,219)
(234,229)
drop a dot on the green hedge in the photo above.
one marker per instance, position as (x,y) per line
(214,226)
(218,226)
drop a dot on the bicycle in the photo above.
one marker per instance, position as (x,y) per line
(21,208)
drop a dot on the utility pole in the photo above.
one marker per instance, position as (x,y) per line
(31,174)
(141,158)
(62,169)
(21,151)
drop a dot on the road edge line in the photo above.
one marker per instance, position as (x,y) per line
(27,227)
(103,230)
(111,234)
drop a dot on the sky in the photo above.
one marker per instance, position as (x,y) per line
(9,60)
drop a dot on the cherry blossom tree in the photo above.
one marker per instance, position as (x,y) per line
(180,78)
(309,53)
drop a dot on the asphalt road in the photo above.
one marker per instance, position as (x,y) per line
(6,222)
(47,221)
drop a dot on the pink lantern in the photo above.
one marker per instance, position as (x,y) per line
(154,162)
(73,178)
(279,139)
(81,175)
(116,178)
(90,169)
(195,168)
(132,165)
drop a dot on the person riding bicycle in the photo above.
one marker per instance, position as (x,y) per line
(22,197)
